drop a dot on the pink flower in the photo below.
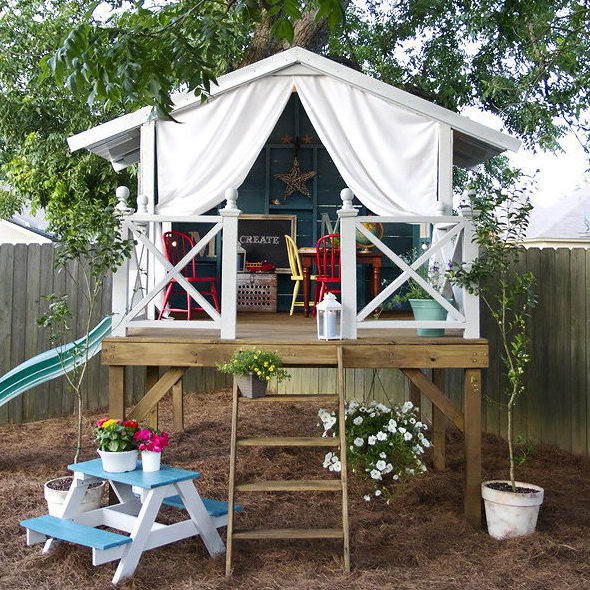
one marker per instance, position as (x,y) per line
(142,447)
(157,449)
(100,422)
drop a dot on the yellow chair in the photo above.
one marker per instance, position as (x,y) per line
(296,271)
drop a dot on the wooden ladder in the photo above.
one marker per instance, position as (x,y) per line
(321,485)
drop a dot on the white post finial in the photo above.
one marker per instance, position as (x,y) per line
(142,203)
(346,195)
(231,196)
(122,194)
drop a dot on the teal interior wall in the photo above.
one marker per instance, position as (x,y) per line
(263,193)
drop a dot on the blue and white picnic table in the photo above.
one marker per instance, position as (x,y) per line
(140,494)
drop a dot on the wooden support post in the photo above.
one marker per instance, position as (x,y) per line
(156,393)
(439,425)
(415,398)
(178,406)
(117,392)
(152,374)
(472,413)
(232,480)
(343,472)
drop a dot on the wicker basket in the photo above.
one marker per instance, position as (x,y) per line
(257,292)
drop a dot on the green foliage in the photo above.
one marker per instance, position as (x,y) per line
(264,364)
(500,220)
(116,436)
(381,443)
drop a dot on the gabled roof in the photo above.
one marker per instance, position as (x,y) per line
(118,140)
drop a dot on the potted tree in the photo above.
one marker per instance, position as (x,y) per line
(88,233)
(500,221)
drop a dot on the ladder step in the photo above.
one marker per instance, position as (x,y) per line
(323,398)
(289,534)
(294,485)
(289,441)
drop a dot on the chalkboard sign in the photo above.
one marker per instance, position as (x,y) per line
(263,238)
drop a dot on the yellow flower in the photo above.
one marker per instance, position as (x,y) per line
(258,351)
(108,423)
(255,356)
(266,363)
(271,368)
(268,377)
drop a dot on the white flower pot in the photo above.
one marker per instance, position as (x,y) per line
(150,460)
(56,498)
(510,514)
(118,462)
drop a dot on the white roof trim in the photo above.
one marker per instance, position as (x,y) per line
(293,62)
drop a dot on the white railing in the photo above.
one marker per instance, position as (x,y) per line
(139,283)
(454,243)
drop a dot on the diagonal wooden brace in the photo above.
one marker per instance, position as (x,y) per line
(157,392)
(436,396)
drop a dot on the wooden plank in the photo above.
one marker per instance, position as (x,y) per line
(414,396)
(30,293)
(156,393)
(343,459)
(436,396)
(561,362)
(152,374)
(289,441)
(439,425)
(578,351)
(116,392)
(472,411)
(536,381)
(178,406)
(232,478)
(299,485)
(289,534)
(6,290)
(19,315)
(324,398)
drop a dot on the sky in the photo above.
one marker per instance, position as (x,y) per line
(559,175)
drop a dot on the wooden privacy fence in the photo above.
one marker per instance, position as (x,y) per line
(555,408)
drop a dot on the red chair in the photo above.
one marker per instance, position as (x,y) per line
(176,246)
(328,263)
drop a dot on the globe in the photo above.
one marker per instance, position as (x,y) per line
(375,228)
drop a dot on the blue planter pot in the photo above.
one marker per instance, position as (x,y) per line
(428,309)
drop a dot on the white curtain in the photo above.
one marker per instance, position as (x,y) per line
(213,146)
(386,155)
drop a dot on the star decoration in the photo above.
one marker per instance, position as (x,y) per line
(296,180)
(286,139)
(307,139)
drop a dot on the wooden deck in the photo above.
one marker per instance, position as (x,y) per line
(295,340)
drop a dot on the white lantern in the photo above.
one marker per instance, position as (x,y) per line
(329,318)
(241,258)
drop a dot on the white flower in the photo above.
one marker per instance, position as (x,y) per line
(336,466)
(358,441)
(391,428)
(412,420)
(353,405)
(382,455)
(388,468)
(328,459)
(367,498)
(375,474)
(407,436)
(392,422)
(418,449)
(377,493)
(426,443)
(396,476)
(381,435)
(372,414)
(419,425)
(423,467)
(358,421)
(383,408)
(407,407)
(381,465)
(410,471)
(402,429)
(372,440)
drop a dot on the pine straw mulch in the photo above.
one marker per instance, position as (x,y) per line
(420,540)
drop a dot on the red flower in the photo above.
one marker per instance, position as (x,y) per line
(130,424)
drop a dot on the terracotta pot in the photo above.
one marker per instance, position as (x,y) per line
(56,498)
(510,514)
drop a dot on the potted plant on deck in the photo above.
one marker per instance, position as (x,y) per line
(424,307)
(500,221)
(253,370)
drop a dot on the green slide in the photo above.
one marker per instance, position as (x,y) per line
(52,363)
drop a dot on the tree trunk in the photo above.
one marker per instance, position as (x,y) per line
(309,34)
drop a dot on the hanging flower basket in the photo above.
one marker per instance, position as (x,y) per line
(250,386)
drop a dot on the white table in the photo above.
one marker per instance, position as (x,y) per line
(140,497)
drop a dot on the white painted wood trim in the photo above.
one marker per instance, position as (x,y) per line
(146,217)
(347,216)
(445,168)
(175,324)
(470,301)
(147,168)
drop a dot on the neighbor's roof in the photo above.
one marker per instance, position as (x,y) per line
(118,140)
